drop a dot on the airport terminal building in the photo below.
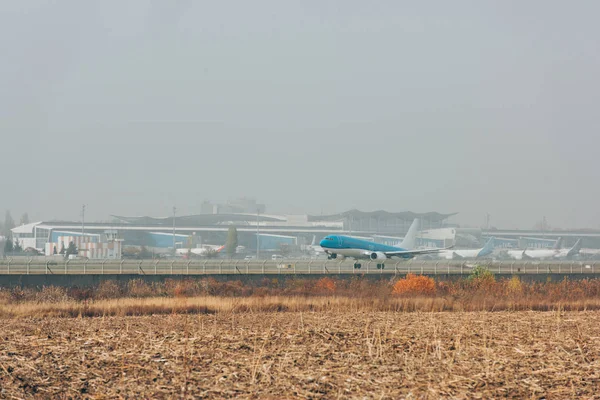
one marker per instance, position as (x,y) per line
(271,232)
(195,230)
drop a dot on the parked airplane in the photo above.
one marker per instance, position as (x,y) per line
(340,247)
(553,253)
(584,252)
(566,253)
(486,250)
(520,254)
(200,251)
(314,249)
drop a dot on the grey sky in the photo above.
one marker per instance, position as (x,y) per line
(468,106)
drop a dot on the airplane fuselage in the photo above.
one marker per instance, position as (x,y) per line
(542,253)
(538,254)
(469,253)
(453,254)
(347,246)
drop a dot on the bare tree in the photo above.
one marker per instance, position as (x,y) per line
(9,223)
(232,241)
(24,219)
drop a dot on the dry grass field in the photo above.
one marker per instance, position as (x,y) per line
(331,353)
(407,338)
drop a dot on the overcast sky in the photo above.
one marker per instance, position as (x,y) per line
(466,106)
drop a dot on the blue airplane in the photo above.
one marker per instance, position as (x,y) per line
(337,246)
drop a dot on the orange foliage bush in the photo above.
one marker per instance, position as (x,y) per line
(326,285)
(414,284)
(183,288)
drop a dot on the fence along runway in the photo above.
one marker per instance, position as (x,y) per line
(299,267)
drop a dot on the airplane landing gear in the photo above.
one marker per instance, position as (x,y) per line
(380,266)
(357,265)
(332,256)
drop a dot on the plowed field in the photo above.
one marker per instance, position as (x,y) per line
(307,355)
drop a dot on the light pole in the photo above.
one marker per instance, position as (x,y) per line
(174,210)
(257,235)
(82,218)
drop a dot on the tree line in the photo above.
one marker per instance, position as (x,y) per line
(12,245)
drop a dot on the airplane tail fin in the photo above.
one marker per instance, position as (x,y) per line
(558,244)
(410,240)
(313,241)
(575,249)
(488,248)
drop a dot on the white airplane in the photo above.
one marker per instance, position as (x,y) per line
(536,253)
(487,249)
(585,252)
(539,254)
(566,253)
(314,249)
(200,251)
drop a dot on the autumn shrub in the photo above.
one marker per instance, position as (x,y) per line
(268,283)
(139,288)
(514,286)
(5,296)
(299,287)
(182,288)
(108,290)
(449,288)
(51,294)
(481,278)
(233,289)
(357,287)
(325,285)
(414,285)
(261,292)
(79,293)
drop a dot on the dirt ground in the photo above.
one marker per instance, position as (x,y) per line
(304,355)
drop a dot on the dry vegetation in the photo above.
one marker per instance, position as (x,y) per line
(332,354)
(413,293)
(302,338)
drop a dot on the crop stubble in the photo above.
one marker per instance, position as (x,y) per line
(312,355)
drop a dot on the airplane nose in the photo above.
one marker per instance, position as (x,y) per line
(323,243)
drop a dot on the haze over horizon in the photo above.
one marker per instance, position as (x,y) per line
(309,107)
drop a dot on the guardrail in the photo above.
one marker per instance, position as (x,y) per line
(20,266)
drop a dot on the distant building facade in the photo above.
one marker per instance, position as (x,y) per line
(237,206)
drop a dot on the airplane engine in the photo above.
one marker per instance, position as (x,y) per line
(377,256)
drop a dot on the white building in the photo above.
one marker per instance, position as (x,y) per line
(89,246)
(26,235)
(51,239)
(442,237)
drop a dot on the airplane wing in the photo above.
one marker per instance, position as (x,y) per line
(415,252)
(575,249)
